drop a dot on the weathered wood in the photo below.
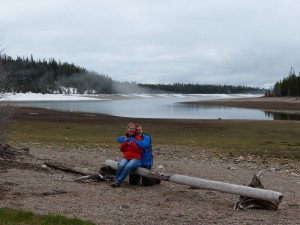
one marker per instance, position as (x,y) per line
(66,169)
(95,176)
(10,154)
(141,171)
(105,173)
(54,192)
(207,184)
(253,203)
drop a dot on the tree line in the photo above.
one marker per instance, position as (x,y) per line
(53,77)
(202,88)
(288,86)
(50,76)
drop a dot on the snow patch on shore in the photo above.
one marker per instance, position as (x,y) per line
(79,97)
(46,97)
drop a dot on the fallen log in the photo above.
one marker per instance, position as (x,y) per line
(59,166)
(241,190)
(95,176)
(104,174)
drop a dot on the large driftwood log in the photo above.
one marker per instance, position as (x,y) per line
(207,184)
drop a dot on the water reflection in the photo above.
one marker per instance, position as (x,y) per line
(251,114)
(167,107)
(220,112)
(282,116)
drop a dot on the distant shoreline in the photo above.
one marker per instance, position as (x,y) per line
(287,105)
(271,104)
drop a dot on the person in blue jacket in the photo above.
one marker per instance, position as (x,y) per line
(146,158)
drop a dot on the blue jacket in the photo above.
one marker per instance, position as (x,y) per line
(145,144)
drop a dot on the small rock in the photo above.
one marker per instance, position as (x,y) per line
(160,167)
(124,206)
(296,175)
(231,168)
(241,158)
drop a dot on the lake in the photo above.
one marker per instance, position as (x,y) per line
(159,106)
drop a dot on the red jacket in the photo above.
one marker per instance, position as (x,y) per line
(130,149)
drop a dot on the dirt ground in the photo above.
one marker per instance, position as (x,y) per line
(24,181)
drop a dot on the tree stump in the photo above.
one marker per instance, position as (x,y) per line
(254,203)
(9,153)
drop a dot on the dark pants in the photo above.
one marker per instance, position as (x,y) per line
(146,181)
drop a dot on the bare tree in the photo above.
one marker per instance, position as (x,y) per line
(6,111)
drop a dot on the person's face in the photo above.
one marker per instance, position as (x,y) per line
(139,130)
(131,130)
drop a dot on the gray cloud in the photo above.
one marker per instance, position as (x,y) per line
(195,41)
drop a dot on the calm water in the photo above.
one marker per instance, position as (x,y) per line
(157,106)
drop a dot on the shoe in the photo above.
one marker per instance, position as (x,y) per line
(115,184)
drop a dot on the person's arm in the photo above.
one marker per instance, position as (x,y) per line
(135,147)
(123,146)
(143,143)
(121,139)
(124,143)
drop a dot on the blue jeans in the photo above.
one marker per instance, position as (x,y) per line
(124,167)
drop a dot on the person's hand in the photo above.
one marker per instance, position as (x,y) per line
(129,139)
(121,139)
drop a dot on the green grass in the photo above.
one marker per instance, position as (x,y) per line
(16,217)
(270,138)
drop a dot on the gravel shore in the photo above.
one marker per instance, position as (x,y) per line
(23,183)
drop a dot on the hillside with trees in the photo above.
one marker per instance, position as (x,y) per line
(201,88)
(288,86)
(53,77)
(50,76)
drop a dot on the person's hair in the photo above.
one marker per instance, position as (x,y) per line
(138,125)
(130,125)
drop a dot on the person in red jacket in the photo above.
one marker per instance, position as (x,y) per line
(131,155)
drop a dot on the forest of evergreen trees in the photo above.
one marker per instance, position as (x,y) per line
(57,77)
(202,88)
(288,86)
(53,77)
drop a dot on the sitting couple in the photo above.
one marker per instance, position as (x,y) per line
(137,152)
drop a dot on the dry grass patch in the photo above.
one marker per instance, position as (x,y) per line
(240,137)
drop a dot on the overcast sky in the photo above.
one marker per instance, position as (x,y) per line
(238,42)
